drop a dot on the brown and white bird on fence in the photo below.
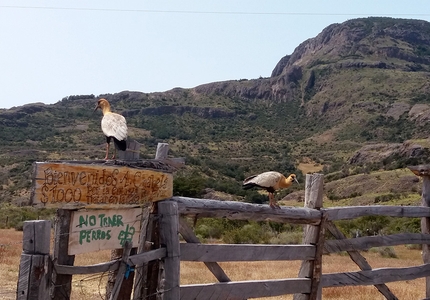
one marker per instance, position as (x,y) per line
(271,182)
(114,127)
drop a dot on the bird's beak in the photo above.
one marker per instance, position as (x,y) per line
(295,179)
(97,106)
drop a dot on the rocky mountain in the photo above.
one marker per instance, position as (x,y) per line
(354,99)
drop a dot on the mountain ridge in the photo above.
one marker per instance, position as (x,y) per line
(356,84)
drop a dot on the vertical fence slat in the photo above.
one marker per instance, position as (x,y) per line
(120,274)
(140,270)
(62,284)
(314,199)
(169,237)
(34,268)
(425,227)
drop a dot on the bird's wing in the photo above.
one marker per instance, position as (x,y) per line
(266,179)
(114,125)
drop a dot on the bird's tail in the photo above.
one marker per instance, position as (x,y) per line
(249,185)
(121,145)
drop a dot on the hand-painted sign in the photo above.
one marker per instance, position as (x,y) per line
(95,230)
(67,184)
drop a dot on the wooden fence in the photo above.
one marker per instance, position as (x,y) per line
(160,251)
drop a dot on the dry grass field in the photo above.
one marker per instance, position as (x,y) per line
(92,286)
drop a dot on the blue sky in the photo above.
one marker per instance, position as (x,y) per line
(53,49)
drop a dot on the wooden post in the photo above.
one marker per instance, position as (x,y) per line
(62,284)
(34,268)
(313,235)
(424,172)
(153,268)
(169,237)
(162,150)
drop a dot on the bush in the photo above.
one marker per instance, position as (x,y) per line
(251,233)
(386,252)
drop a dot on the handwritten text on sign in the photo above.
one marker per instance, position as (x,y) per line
(103,229)
(64,184)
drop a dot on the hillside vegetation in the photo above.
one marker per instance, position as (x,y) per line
(353,103)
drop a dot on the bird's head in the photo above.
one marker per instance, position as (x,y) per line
(103,104)
(293,177)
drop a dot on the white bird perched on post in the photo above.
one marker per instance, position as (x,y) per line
(271,182)
(114,127)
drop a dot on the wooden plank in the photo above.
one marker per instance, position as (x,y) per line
(359,260)
(189,236)
(34,268)
(234,210)
(367,242)
(97,185)
(36,237)
(62,283)
(90,269)
(316,288)
(94,230)
(375,276)
(133,260)
(425,226)
(169,236)
(312,235)
(121,271)
(153,268)
(222,253)
(352,212)
(244,289)
(162,150)
(33,279)
(139,266)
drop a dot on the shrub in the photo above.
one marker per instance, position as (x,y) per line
(251,233)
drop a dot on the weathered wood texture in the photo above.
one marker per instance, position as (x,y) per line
(62,283)
(352,212)
(222,253)
(169,238)
(94,230)
(245,289)
(33,278)
(151,277)
(126,287)
(234,210)
(189,236)
(162,150)
(375,276)
(313,235)
(141,249)
(36,237)
(132,152)
(359,260)
(367,242)
(133,260)
(425,226)
(117,288)
(35,268)
(73,185)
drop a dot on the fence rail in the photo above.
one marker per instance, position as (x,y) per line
(169,220)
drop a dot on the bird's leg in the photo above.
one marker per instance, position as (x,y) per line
(114,153)
(107,151)
(272,202)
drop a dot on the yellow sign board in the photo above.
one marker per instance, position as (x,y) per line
(96,230)
(91,185)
